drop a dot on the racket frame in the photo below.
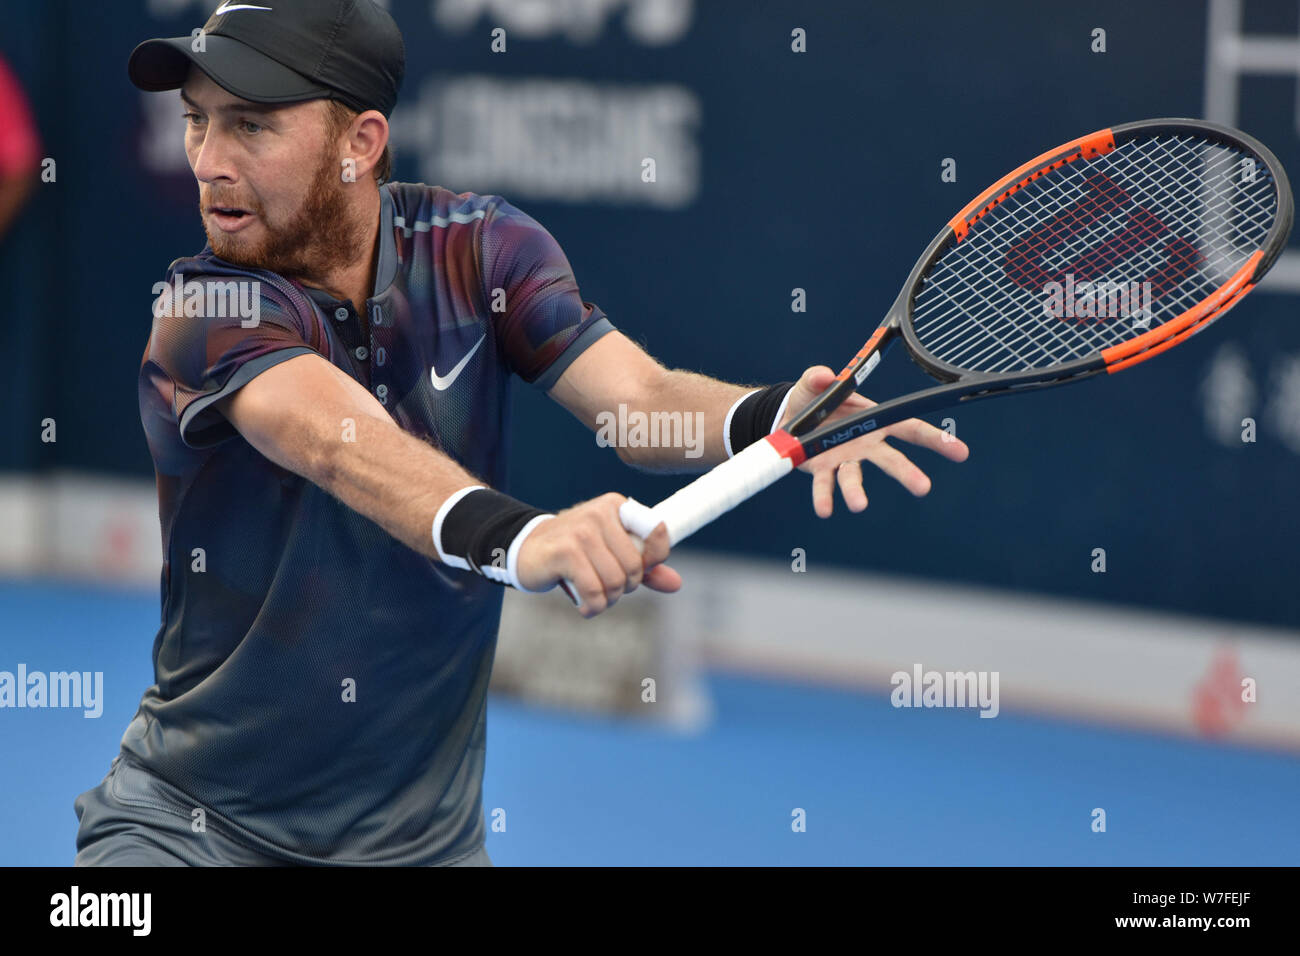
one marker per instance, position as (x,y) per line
(958,385)
(807,433)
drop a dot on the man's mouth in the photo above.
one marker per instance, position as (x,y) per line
(230,218)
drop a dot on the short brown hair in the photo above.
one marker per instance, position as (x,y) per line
(338,117)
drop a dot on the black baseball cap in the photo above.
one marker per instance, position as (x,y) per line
(286,51)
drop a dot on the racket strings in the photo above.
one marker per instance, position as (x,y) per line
(1122,247)
(1018,356)
(1095,253)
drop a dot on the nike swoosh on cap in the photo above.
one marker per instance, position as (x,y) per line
(443,382)
(227,6)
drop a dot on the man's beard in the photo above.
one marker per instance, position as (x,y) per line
(319,238)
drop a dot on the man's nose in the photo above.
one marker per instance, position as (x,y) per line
(212,160)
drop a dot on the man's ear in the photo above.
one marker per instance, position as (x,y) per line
(368,136)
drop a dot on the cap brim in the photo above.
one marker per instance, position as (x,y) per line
(157,65)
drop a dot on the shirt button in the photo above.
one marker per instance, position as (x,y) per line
(381,390)
(340,314)
(361,353)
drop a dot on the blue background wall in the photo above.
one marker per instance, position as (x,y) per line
(819,171)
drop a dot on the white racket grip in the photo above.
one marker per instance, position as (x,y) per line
(711,495)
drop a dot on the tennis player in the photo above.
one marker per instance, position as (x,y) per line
(330,463)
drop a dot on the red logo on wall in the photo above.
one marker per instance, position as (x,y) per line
(1217,706)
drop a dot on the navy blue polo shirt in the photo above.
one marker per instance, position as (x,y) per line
(320,687)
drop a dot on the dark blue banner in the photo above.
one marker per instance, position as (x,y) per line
(778,170)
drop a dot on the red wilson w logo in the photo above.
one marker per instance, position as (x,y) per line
(1024,264)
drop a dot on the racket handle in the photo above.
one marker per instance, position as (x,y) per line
(709,496)
(712,494)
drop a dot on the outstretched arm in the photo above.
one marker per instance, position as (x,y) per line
(670,420)
(295,414)
(673,421)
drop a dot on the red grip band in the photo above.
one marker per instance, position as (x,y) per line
(788,446)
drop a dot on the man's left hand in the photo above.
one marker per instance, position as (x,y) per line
(841,465)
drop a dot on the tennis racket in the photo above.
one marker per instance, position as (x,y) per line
(1091,258)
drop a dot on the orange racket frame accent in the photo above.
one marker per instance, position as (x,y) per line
(1085,147)
(1181,327)
(862,353)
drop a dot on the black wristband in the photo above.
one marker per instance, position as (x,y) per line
(753,417)
(480,531)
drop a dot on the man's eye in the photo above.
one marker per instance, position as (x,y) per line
(191,118)
(250,127)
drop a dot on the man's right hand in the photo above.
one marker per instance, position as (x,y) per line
(588,545)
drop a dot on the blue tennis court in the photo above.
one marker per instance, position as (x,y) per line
(878,785)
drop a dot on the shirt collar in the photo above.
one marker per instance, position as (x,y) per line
(385,268)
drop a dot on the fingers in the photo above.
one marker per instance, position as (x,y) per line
(899,467)
(663,578)
(603,561)
(848,475)
(601,540)
(656,546)
(587,582)
(817,378)
(812,383)
(927,436)
(823,492)
(622,546)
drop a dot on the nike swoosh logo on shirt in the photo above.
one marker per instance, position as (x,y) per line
(443,382)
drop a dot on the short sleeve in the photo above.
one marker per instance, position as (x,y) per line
(545,324)
(226,331)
